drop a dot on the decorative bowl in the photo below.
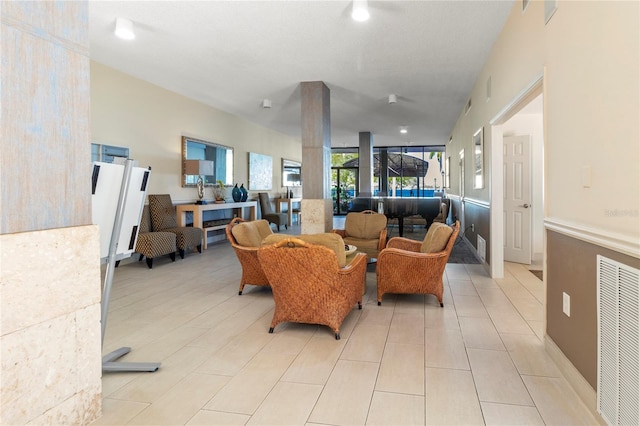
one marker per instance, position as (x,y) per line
(349,249)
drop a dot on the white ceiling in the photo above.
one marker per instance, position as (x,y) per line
(233,54)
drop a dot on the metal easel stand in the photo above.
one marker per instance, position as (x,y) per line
(109,363)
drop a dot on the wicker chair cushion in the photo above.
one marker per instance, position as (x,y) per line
(370,247)
(329,240)
(163,214)
(437,238)
(365,226)
(251,234)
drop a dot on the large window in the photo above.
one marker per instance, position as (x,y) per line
(415,171)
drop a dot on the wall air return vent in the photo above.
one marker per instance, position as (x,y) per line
(618,299)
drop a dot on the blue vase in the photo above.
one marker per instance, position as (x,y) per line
(245,193)
(236,193)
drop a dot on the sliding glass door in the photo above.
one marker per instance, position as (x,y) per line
(344,187)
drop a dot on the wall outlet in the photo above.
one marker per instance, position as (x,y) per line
(473,227)
(566,304)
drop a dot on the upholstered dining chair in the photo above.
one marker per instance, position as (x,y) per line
(269,214)
(308,285)
(153,244)
(416,267)
(246,237)
(163,218)
(366,230)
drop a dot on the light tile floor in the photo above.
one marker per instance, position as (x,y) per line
(479,360)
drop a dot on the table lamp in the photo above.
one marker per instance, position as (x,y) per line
(199,168)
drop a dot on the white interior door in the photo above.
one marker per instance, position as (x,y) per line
(517,199)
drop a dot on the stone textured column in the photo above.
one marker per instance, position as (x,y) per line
(365,164)
(50,275)
(316,206)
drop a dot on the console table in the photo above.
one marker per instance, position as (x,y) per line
(289,202)
(197,209)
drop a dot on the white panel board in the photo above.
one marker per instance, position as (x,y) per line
(106,186)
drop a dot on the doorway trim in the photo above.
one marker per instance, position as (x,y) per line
(496,195)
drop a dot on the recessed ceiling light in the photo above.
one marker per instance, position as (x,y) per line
(404,129)
(360,11)
(124,29)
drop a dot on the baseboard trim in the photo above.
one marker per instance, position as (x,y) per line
(578,383)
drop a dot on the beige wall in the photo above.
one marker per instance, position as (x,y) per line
(591,106)
(592,114)
(150,120)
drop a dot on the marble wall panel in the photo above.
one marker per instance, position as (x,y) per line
(318,216)
(50,366)
(46,274)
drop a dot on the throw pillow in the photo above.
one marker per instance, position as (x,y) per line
(263,228)
(437,238)
(329,240)
(246,234)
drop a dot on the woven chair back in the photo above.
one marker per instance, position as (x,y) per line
(295,266)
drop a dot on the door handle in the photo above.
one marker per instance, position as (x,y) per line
(525,205)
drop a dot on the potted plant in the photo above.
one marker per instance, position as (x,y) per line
(219,192)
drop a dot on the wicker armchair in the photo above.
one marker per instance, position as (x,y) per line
(366,230)
(154,244)
(163,218)
(308,286)
(410,266)
(245,238)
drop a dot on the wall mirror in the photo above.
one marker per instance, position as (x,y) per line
(222,157)
(291,173)
(478,148)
